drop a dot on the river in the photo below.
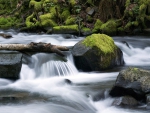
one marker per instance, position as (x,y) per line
(45,77)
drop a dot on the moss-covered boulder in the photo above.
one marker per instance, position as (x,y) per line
(134,82)
(97,52)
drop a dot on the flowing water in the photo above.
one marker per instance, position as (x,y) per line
(47,78)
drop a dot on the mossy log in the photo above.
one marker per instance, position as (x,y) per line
(35,47)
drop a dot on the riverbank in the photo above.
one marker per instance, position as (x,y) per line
(118,17)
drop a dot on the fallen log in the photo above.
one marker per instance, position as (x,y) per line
(35,47)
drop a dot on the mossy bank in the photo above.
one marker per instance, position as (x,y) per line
(112,17)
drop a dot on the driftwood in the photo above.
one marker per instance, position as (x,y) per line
(35,47)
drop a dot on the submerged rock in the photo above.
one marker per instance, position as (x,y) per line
(5,35)
(10,65)
(125,101)
(97,52)
(134,82)
(12,96)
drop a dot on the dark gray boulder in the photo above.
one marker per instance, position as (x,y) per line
(97,52)
(10,65)
(134,82)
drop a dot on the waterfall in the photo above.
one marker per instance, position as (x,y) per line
(44,65)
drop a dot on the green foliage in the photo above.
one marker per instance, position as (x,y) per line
(136,10)
(110,27)
(120,29)
(97,26)
(65,14)
(8,22)
(142,9)
(127,3)
(37,5)
(89,18)
(29,22)
(72,2)
(77,9)
(65,28)
(85,29)
(128,25)
(47,16)
(70,20)
(48,22)
(90,2)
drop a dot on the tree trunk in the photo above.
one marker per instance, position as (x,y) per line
(35,47)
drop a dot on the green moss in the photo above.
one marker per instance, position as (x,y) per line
(142,9)
(72,2)
(147,17)
(70,20)
(85,29)
(53,1)
(48,22)
(65,14)
(89,18)
(110,27)
(103,42)
(127,3)
(97,26)
(8,22)
(37,5)
(106,49)
(137,13)
(90,2)
(128,25)
(69,27)
(29,22)
(120,29)
(135,23)
(47,16)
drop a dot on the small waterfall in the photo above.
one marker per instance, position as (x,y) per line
(135,56)
(48,65)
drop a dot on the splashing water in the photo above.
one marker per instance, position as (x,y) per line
(44,75)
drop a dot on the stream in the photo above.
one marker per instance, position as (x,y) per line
(52,85)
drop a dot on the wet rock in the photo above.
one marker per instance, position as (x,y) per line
(99,96)
(10,65)
(125,101)
(124,42)
(134,82)
(148,98)
(97,52)
(67,81)
(12,96)
(5,35)
(148,101)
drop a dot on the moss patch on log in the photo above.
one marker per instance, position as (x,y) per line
(66,29)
